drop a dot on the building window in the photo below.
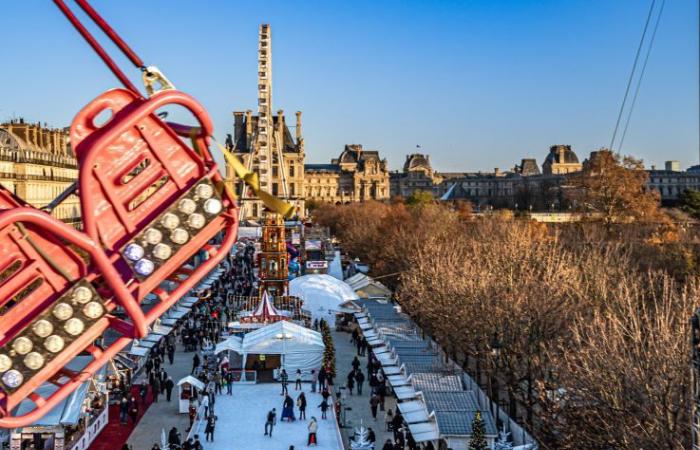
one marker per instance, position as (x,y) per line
(275,189)
(291,170)
(292,189)
(275,171)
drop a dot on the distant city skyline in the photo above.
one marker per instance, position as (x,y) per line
(477,85)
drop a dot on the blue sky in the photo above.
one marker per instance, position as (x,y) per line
(478,84)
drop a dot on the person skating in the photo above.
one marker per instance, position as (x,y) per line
(288,409)
(324,408)
(271,421)
(209,430)
(314,380)
(229,382)
(313,428)
(169,385)
(284,379)
(321,378)
(360,379)
(301,404)
(297,382)
(197,445)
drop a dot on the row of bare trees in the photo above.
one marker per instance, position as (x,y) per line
(593,340)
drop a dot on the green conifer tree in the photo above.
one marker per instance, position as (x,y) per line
(478,440)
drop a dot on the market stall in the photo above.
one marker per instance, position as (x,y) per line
(186,388)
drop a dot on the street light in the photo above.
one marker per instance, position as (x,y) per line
(496,347)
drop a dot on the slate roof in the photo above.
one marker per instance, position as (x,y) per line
(460,423)
(450,401)
(436,382)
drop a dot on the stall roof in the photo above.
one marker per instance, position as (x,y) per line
(233,343)
(398,380)
(450,401)
(405,392)
(459,423)
(436,382)
(146,344)
(153,337)
(191,380)
(138,351)
(162,329)
(168,321)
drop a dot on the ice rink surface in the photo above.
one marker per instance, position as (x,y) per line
(241,420)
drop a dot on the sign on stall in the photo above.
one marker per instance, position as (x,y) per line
(316,264)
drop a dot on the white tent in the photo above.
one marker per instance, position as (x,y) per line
(298,347)
(324,296)
(335,269)
(233,343)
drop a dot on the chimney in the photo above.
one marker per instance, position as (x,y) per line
(248,123)
(298,128)
(280,119)
(497,171)
(237,123)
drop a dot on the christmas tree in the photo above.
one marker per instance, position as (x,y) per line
(361,440)
(329,352)
(503,442)
(478,440)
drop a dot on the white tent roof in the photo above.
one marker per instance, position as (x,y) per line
(335,269)
(233,343)
(323,295)
(191,380)
(282,338)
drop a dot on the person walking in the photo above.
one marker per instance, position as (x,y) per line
(169,385)
(324,408)
(192,412)
(314,380)
(321,378)
(297,382)
(388,445)
(301,403)
(173,437)
(271,421)
(354,335)
(355,363)
(373,404)
(133,409)
(155,388)
(350,381)
(195,362)
(123,409)
(143,392)
(360,379)
(284,379)
(209,430)
(171,353)
(313,428)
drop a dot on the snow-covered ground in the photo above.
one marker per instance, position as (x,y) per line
(241,420)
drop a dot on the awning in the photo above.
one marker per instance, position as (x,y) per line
(363,321)
(189,301)
(370,334)
(161,329)
(386,359)
(424,431)
(405,392)
(391,370)
(168,321)
(124,361)
(177,314)
(381,349)
(146,344)
(413,411)
(398,380)
(138,351)
(153,337)
(361,315)
(189,379)
(375,342)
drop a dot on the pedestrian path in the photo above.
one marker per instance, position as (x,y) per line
(163,415)
(242,416)
(359,412)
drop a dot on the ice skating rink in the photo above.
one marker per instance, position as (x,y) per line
(241,420)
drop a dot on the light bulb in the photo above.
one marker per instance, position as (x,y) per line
(162,251)
(5,363)
(169,221)
(93,310)
(74,326)
(12,378)
(186,206)
(54,343)
(212,206)
(204,191)
(153,236)
(83,294)
(133,252)
(179,236)
(62,311)
(42,328)
(196,221)
(22,345)
(34,360)
(144,267)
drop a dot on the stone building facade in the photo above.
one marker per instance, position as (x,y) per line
(417,175)
(37,164)
(356,175)
(561,160)
(265,144)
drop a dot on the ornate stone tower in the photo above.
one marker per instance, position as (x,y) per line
(265,144)
(272,259)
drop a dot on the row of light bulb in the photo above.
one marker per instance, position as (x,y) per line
(44,329)
(178,234)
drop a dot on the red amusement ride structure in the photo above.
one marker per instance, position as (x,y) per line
(150,201)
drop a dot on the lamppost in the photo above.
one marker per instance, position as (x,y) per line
(496,355)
